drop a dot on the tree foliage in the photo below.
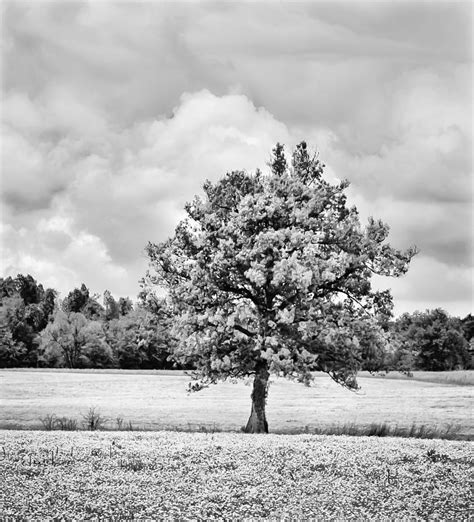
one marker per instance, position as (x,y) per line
(73,341)
(80,301)
(140,339)
(270,273)
(34,332)
(432,341)
(112,310)
(25,309)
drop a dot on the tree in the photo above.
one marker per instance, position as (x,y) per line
(96,352)
(468,327)
(8,287)
(76,300)
(112,310)
(432,341)
(48,306)
(19,323)
(11,353)
(25,308)
(80,301)
(30,291)
(270,274)
(64,340)
(125,305)
(140,339)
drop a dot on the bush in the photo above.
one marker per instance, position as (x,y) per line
(93,420)
(48,422)
(66,424)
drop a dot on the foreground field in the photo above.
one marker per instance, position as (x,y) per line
(158,400)
(73,476)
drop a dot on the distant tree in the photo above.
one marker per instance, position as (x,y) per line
(122,337)
(125,305)
(140,339)
(25,308)
(76,300)
(80,301)
(21,322)
(96,352)
(48,306)
(93,310)
(63,340)
(30,291)
(154,337)
(270,273)
(8,287)
(12,354)
(112,310)
(432,341)
(468,330)
(468,327)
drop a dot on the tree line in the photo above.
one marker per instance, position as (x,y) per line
(37,329)
(268,273)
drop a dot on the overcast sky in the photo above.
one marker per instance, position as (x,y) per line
(114,114)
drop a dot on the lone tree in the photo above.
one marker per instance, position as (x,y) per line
(270,274)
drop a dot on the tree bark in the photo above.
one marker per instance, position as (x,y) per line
(257,422)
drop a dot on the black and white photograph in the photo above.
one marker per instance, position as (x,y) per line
(236,260)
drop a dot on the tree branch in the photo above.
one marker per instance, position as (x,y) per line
(244,330)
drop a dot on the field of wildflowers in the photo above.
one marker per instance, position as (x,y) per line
(86,475)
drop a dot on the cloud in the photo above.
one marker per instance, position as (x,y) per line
(159,165)
(133,191)
(431,284)
(419,178)
(115,113)
(60,257)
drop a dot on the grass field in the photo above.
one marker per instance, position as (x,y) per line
(84,475)
(158,400)
(459,377)
(193,476)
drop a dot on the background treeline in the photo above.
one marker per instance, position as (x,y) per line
(37,329)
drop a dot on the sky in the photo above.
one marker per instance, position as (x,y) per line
(114,114)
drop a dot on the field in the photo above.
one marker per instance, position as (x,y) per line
(196,476)
(158,400)
(76,475)
(459,377)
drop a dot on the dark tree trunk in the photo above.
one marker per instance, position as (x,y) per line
(257,422)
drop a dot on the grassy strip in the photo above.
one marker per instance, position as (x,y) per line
(94,421)
(383,429)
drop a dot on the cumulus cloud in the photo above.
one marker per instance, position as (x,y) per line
(114,115)
(430,284)
(60,256)
(133,191)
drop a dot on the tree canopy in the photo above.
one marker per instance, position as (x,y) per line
(271,273)
(432,340)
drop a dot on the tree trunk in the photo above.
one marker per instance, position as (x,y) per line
(257,422)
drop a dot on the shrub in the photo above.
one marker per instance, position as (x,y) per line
(66,424)
(93,420)
(48,422)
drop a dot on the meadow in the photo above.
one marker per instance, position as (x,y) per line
(157,400)
(195,472)
(196,476)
